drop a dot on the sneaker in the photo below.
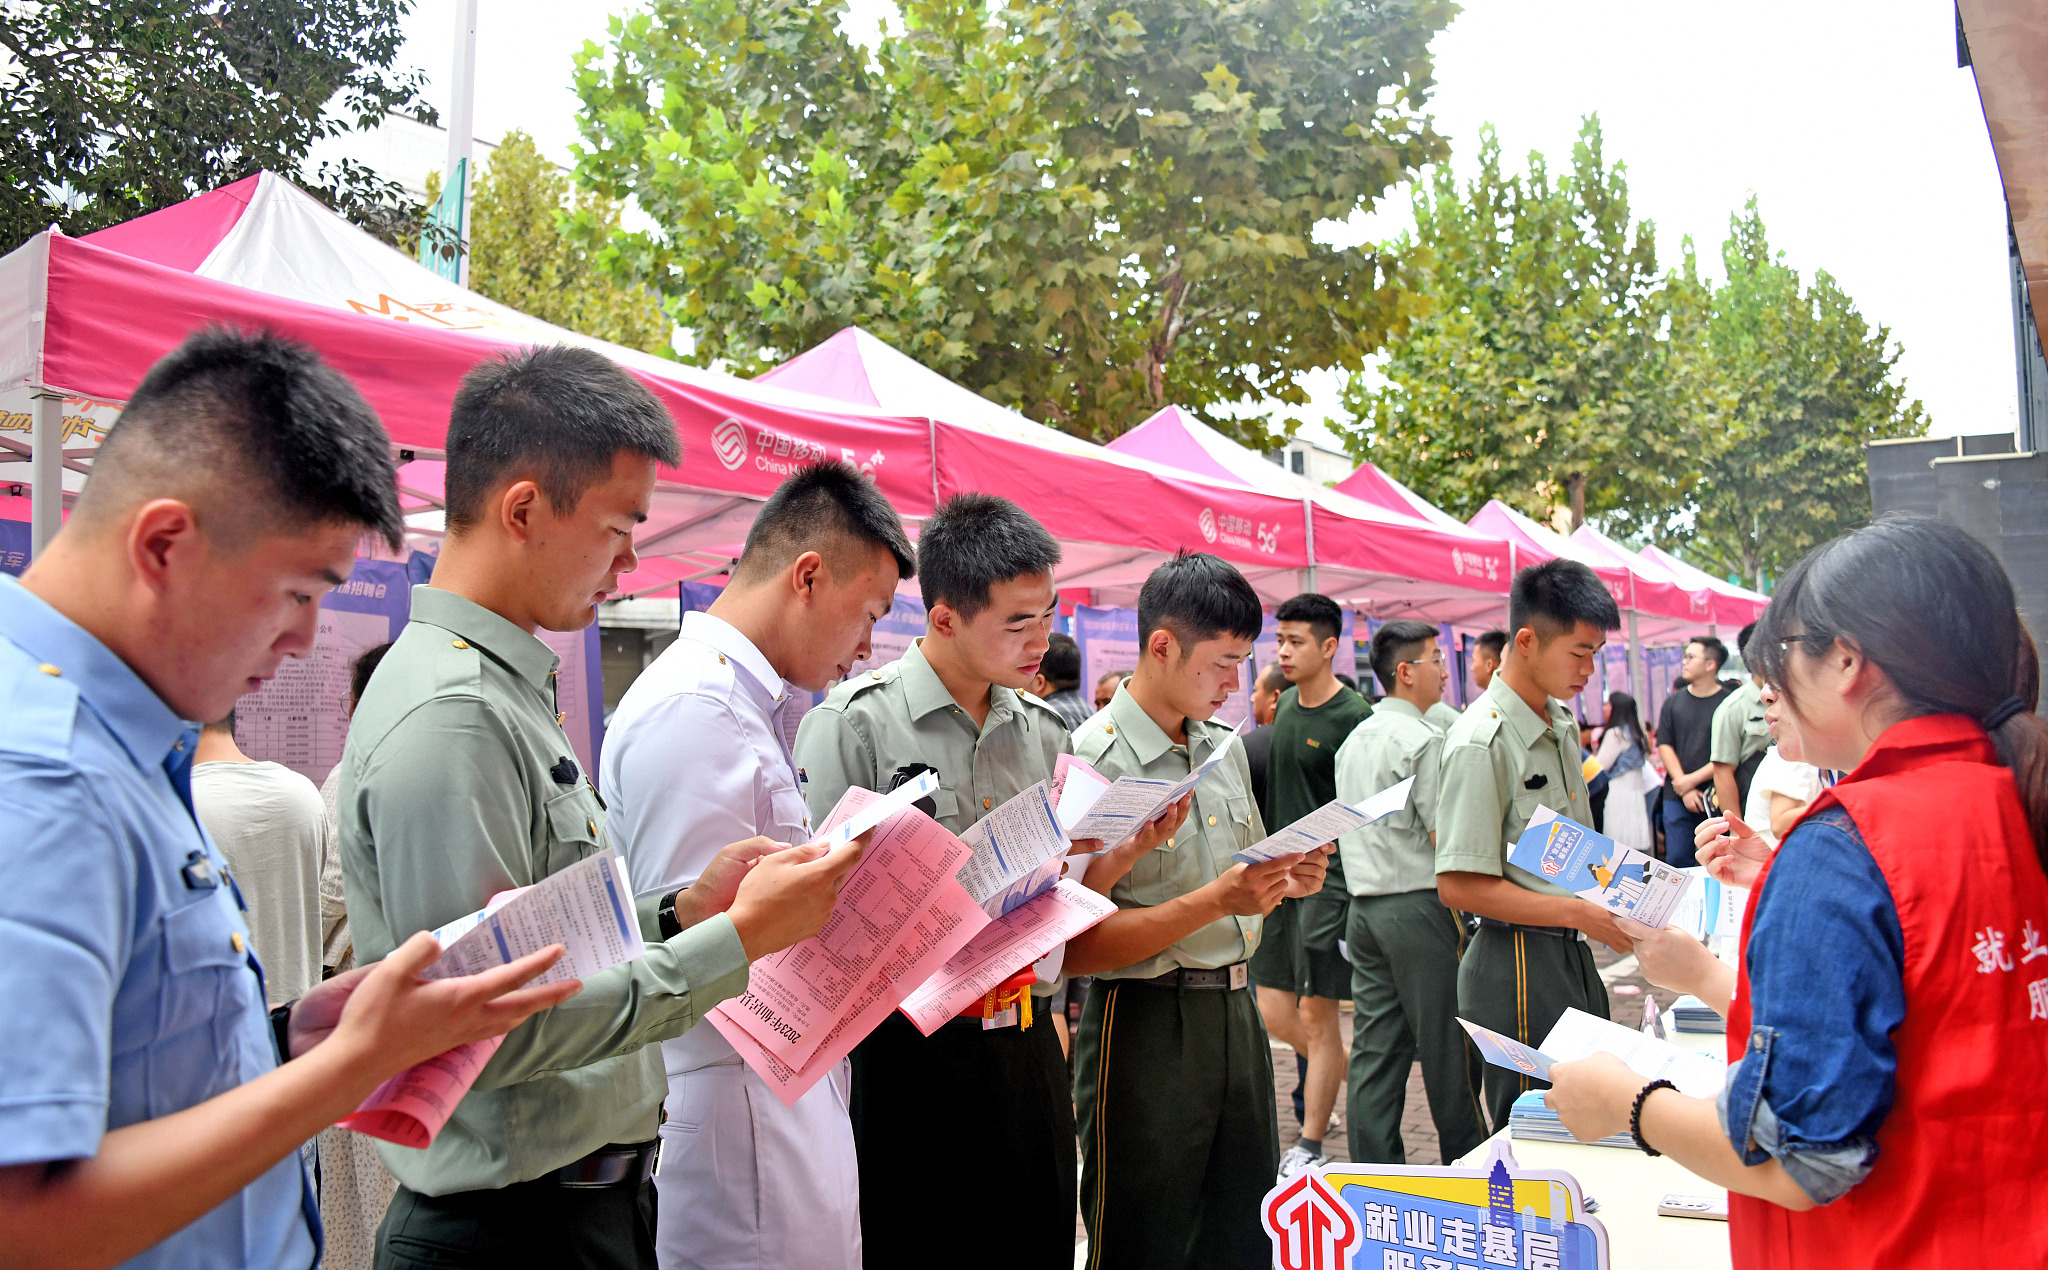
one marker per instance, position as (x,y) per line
(1297,1159)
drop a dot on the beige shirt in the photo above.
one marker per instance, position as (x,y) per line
(1441,716)
(1395,854)
(270,824)
(1494,753)
(1122,740)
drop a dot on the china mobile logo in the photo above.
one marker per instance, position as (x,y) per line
(1473,564)
(1207,523)
(1269,537)
(1311,1228)
(729,443)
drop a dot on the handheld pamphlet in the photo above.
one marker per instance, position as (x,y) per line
(1003,948)
(1579,1035)
(1326,823)
(1593,866)
(1121,810)
(1018,850)
(587,908)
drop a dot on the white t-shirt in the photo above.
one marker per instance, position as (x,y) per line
(1778,775)
(270,824)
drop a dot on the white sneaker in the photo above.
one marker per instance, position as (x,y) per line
(1297,1159)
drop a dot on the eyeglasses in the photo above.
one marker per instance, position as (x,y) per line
(1812,642)
(1437,660)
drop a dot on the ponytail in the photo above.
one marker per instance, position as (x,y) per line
(1931,607)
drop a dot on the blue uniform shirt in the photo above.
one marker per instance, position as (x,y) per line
(125,976)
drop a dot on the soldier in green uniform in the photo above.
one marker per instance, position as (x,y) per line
(1514,750)
(1300,971)
(1404,943)
(951,702)
(1740,736)
(1173,1074)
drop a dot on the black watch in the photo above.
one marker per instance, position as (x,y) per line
(665,916)
(281,1031)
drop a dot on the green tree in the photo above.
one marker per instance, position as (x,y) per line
(1540,374)
(115,108)
(1083,210)
(1797,381)
(519,256)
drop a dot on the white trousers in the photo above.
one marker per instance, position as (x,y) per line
(749,1184)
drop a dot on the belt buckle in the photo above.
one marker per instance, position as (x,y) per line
(1239,975)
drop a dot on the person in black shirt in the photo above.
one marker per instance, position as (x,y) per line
(1258,742)
(1685,733)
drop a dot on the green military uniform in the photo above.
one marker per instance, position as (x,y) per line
(453,790)
(1173,1073)
(1299,952)
(1739,738)
(1004,1088)
(1502,761)
(1404,948)
(1441,716)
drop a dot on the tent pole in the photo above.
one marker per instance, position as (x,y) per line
(462,123)
(1636,679)
(1308,524)
(46,470)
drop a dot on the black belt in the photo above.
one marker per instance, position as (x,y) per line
(1220,977)
(614,1165)
(1555,932)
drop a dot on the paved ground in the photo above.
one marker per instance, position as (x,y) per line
(1626,993)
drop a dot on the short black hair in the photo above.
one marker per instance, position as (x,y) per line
(1553,597)
(972,542)
(1715,649)
(1742,641)
(1396,642)
(359,673)
(822,507)
(559,413)
(1062,664)
(1325,620)
(1197,596)
(258,432)
(1494,641)
(1273,677)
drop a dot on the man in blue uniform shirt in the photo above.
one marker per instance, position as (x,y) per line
(144,1114)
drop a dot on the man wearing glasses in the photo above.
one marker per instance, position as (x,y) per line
(1404,943)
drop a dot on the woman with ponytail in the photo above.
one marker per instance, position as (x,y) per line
(1887,1094)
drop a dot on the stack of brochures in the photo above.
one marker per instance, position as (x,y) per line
(1690,1014)
(1531,1121)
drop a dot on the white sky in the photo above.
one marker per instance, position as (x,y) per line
(1864,143)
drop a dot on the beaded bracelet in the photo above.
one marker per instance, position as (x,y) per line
(1635,1115)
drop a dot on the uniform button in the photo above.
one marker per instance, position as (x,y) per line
(876,674)
(985,804)
(558,718)
(1572,794)
(1494,713)
(1109,729)
(235,940)
(1169,842)
(1212,820)
(460,644)
(721,659)
(48,669)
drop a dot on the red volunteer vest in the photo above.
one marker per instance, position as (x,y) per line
(1961,1177)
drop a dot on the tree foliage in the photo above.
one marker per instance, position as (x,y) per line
(1538,375)
(1797,382)
(115,108)
(520,257)
(1083,210)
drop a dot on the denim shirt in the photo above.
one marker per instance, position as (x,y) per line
(1827,963)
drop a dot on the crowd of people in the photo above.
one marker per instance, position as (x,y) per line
(208,961)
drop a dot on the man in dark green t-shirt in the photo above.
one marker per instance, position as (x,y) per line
(1300,972)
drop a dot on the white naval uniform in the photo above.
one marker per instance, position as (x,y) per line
(693,760)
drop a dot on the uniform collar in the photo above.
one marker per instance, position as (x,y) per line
(525,654)
(723,637)
(1394,705)
(925,693)
(146,727)
(1522,724)
(1144,736)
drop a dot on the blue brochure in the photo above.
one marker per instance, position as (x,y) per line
(1567,853)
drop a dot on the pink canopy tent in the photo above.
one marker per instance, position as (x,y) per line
(1371,484)
(1384,560)
(1733,605)
(89,316)
(1654,588)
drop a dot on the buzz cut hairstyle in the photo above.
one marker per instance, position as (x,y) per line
(1715,649)
(1196,596)
(1325,620)
(974,541)
(823,507)
(258,434)
(1494,641)
(1742,641)
(1061,665)
(1396,642)
(558,414)
(1554,597)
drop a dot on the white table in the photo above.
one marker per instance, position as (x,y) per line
(1629,1185)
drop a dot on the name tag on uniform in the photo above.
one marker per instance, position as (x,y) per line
(1240,974)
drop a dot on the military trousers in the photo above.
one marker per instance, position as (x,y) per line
(1519,981)
(1404,994)
(1180,1136)
(537,1223)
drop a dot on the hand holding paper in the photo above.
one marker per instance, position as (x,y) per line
(1122,809)
(1327,823)
(1594,867)
(1579,1034)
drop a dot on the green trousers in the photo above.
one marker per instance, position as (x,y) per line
(1519,983)
(1180,1136)
(1404,996)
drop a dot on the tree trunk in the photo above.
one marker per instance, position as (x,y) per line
(1577,486)
(1161,347)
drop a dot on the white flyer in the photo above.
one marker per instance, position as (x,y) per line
(1126,805)
(1001,949)
(587,908)
(875,811)
(1579,1035)
(1326,823)
(1011,845)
